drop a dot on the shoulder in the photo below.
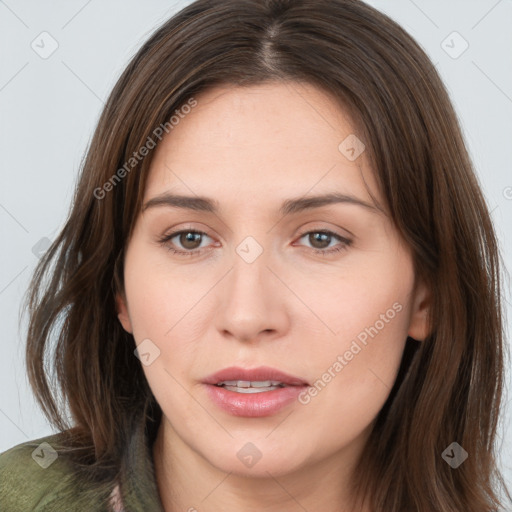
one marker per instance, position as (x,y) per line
(35,476)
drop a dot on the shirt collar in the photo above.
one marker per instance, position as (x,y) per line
(139,489)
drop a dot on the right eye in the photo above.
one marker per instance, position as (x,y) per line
(187,239)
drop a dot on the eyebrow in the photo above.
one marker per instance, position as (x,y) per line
(288,207)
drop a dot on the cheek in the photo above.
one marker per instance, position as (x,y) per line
(167,308)
(368,302)
(162,298)
(357,353)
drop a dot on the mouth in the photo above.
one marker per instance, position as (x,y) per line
(256,392)
(255,380)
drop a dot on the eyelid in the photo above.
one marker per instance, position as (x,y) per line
(173,231)
(343,240)
(325,230)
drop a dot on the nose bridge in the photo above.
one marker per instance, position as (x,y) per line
(252,302)
(250,261)
(249,279)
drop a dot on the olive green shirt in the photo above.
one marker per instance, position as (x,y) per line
(35,478)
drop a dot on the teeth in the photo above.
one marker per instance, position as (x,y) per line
(264,383)
(251,384)
(251,390)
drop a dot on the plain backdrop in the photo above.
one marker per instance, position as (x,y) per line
(60,59)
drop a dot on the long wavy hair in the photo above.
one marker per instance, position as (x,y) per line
(80,361)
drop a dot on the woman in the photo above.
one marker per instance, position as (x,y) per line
(278,287)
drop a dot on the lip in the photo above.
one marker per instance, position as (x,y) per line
(252,374)
(253,405)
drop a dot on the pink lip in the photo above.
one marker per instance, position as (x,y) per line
(260,373)
(255,404)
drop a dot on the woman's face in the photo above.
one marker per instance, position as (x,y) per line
(265,276)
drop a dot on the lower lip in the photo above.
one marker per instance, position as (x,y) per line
(253,405)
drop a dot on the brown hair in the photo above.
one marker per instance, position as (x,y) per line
(448,389)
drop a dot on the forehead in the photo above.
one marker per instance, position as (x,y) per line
(256,141)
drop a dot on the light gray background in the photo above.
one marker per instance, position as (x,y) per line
(49,107)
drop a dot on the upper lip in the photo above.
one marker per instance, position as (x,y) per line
(262,373)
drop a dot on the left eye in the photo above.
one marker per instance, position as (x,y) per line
(321,240)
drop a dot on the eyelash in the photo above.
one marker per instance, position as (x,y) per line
(195,252)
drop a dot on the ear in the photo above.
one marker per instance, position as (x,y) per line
(122,313)
(418,326)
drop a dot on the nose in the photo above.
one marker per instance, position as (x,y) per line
(253,302)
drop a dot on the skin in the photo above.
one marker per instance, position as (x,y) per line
(293,309)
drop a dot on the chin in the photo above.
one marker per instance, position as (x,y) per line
(256,460)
